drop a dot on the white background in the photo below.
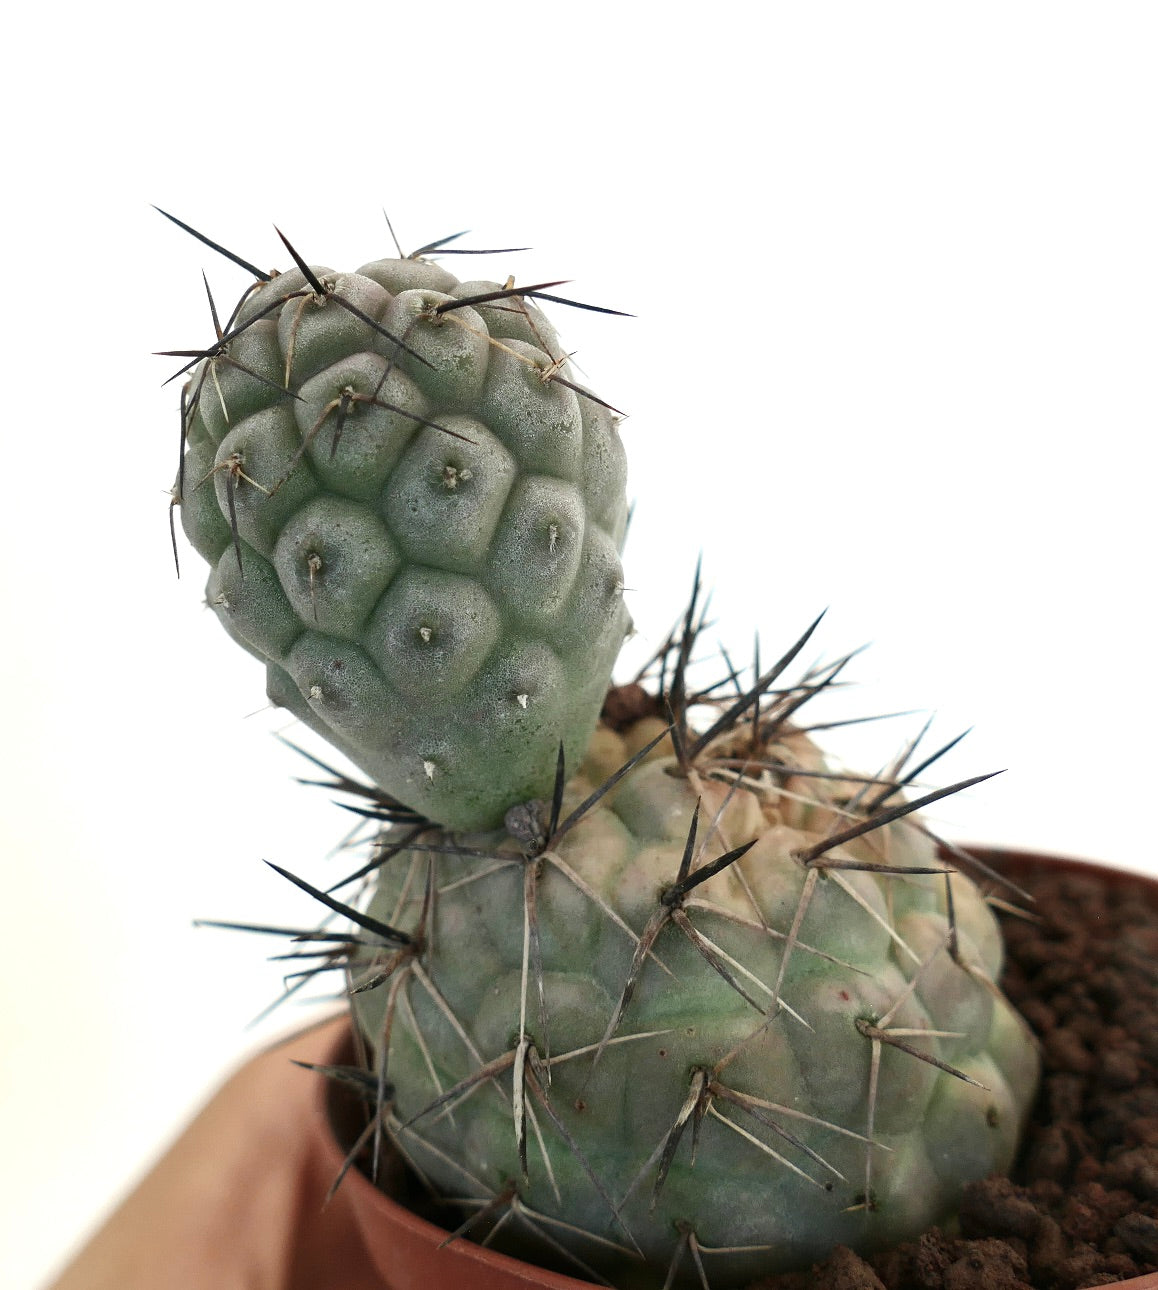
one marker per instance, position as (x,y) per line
(895,274)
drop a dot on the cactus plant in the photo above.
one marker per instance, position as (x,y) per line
(666,998)
(413,516)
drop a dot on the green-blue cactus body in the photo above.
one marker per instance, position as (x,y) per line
(780,1030)
(413,515)
(611,1028)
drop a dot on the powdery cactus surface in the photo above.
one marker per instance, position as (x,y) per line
(413,515)
(805,1049)
(706,1007)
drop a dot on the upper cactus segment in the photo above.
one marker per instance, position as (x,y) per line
(413,515)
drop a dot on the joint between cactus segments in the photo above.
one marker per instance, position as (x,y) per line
(526,823)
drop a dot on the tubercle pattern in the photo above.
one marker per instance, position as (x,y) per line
(413,516)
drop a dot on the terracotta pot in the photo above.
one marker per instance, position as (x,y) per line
(408,1252)
(405,1249)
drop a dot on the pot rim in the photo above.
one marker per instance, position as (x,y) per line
(998,855)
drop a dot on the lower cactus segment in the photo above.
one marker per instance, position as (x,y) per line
(689,1021)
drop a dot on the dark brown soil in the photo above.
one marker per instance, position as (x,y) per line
(1081,1208)
(626,704)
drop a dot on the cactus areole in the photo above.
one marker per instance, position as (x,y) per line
(658,995)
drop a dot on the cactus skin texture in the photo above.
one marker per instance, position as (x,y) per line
(704,1011)
(413,517)
(748,1105)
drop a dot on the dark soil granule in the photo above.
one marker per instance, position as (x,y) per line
(1081,1208)
(626,704)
